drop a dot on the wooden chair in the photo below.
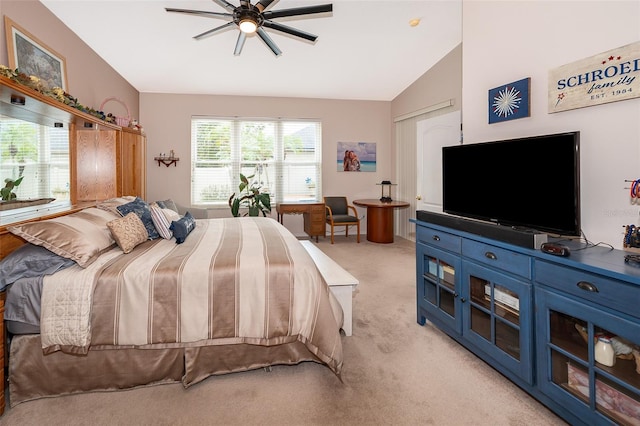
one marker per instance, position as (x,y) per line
(337,209)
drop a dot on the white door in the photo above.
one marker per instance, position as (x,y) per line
(433,134)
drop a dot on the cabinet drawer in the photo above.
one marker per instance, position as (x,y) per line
(604,291)
(439,239)
(497,257)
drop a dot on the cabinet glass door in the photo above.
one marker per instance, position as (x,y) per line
(440,287)
(497,303)
(594,358)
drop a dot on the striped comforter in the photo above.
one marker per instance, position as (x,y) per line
(234,280)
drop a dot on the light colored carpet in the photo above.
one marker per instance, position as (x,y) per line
(396,372)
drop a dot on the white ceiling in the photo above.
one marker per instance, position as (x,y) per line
(365,49)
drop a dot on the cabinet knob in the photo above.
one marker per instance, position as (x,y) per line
(462,299)
(490,255)
(587,286)
(435,238)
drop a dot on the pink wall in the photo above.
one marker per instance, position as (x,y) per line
(90,78)
(167,121)
(440,83)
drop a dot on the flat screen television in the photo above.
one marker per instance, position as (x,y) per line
(531,183)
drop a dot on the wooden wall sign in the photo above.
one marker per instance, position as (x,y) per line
(607,77)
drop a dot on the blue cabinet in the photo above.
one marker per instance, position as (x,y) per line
(587,352)
(479,294)
(438,289)
(566,330)
(496,318)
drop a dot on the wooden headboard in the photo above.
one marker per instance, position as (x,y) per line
(94,149)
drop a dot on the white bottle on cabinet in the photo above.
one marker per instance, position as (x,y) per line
(604,353)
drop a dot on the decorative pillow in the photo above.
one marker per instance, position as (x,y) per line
(128,231)
(160,221)
(80,236)
(168,204)
(111,204)
(141,208)
(183,227)
(30,261)
(170,215)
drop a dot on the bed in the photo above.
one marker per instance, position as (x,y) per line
(215,297)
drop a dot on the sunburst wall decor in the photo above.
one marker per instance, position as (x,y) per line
(509,101)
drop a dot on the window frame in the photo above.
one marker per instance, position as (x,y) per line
(40,166)
(281,166)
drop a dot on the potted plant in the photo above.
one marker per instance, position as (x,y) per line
(7,192)
(249,196)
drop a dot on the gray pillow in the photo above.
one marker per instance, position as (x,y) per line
(168,204)
(30,261)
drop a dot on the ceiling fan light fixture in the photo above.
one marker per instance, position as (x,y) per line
(248,25)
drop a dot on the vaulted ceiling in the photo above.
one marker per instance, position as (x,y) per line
(365,50)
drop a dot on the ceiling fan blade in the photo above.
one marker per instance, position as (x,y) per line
(215,30)
(269,42)
(240,43)
(289,30)
(263,4)
(297,11)
(200,13)
(225,4)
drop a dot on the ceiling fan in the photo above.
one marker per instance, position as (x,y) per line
(254,18)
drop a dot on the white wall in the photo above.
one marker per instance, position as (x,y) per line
(505,41)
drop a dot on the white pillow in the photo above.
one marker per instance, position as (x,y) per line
(171,215)
(160,221)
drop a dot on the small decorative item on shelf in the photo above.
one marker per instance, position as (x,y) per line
(120,121)
(386,191)
(136,126)
(603,352)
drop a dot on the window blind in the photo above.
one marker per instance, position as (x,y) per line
(283,156)
(38,153)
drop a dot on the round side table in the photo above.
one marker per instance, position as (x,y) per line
(380,218)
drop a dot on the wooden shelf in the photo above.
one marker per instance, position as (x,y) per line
(167,161)
(24,103)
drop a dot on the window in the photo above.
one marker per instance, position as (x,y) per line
(39,153)
(284,157)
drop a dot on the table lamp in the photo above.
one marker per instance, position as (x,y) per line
(386,190)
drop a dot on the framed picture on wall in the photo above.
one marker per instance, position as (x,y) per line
(356,157)
(509,101)
(32,57)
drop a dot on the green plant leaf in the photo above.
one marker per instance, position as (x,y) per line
(265,200)
(235,208)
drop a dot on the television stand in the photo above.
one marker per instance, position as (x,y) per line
(536,318)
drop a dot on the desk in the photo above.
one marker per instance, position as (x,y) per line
(380,218)
(313,214)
